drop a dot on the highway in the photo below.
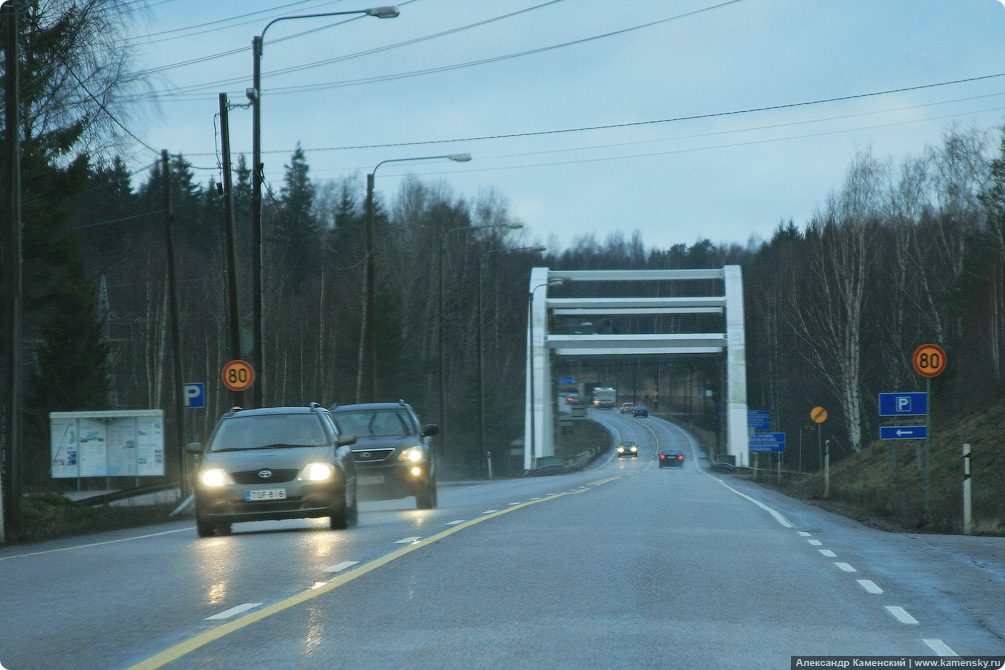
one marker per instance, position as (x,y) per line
(621,565)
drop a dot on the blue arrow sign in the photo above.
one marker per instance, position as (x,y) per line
(903,432)
(761,443)
(759,419)
(566,380)
(903,404)
(195,395)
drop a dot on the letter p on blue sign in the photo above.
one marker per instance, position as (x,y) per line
(195,395)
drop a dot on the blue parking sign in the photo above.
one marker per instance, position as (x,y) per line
(195,395)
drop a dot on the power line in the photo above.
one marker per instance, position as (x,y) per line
(218,21)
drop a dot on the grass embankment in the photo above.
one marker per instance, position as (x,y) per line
(864,486)
(51,515)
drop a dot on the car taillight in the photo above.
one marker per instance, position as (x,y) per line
(680,458)
(662,456)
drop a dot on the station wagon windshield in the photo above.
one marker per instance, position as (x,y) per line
(271,430)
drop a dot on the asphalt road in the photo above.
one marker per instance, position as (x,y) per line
(620,565)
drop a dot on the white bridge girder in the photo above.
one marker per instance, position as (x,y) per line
(538,433)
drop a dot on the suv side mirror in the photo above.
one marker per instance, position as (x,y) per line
(194,447)
(430,429)
(345,440)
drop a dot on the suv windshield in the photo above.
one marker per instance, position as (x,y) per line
(269,430)
(375,423)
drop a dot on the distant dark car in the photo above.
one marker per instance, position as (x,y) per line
(628,449)
(274,463)
(627,407)
(670,458)
(392,453)
(639,410)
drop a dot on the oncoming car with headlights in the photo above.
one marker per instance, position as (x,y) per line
(274,463)
(628,449)
(392,454)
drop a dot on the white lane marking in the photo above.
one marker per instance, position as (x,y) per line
(940,647)
(901,614)
(455,522)
(846,567)
(815,543)
(511,504)
(408,540)
(535,498)
(804,533)
(492,511)
(339,567)
(96,544)
(778,516)
(869,585)
(233,611)
(828,553)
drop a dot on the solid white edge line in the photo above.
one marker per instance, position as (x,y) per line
(846,567)
(828,553)
(408,540)
(95,544)
(901,614)
(869,585)
(940,647)
(234,611)
(778,516)
(339,567)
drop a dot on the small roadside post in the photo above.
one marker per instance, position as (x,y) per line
(827,469)
(967,523)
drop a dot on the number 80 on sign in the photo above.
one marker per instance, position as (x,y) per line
(929,360)
(238,375)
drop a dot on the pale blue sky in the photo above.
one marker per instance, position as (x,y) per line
(727,178)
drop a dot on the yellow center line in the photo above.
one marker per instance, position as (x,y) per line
(174,653)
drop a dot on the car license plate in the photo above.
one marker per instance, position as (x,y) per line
(265,494)
(370,480)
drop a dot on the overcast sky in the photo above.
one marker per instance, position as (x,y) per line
(581,113)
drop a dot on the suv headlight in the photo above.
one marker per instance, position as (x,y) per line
(634,448)
(216,477)
(412,454)
(316,472)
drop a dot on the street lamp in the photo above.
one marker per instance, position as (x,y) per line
(481,359)
(439,319)
(367,340)
(555,282)
(255,96)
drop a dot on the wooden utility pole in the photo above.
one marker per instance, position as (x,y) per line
(228,213)
(178,390)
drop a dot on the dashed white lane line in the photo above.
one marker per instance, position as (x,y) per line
(535,498)
(491,511)
(339,567)
(869,585)
(828,553)
(408,540)
(815,543)
(846,567)
(940,647)
(234,611)
(512,504)
(901,614)
(455,522)
(803,533)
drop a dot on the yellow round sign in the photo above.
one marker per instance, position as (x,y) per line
(238,375)
(929,360)
(818,414)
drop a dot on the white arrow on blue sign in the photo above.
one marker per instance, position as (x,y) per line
(903,404)
(566,380)
(195,395)
(903,432)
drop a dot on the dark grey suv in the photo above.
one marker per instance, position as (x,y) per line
(274,463)
(392,454)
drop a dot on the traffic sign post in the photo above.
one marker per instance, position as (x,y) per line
(818,415)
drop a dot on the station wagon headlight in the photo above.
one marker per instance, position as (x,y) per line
(316,472)
(412,454)
(621,449)
(216,477)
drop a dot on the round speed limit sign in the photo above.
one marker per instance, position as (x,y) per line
(238,375)
(929,360)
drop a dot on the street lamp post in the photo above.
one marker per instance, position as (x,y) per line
(441,290)
(255,96)
(481,358)
(557,281)
(367,336)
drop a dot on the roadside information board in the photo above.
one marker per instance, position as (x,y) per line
(767,443)
(107,444)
